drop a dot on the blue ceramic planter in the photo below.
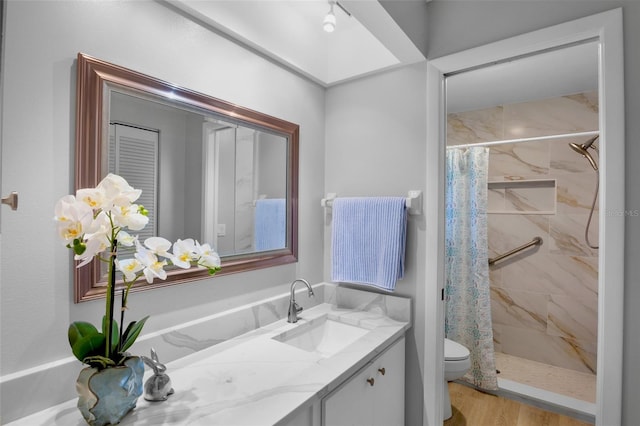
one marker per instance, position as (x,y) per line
(106,396)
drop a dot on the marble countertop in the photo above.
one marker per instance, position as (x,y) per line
(251,379)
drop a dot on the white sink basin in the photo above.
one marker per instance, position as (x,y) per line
(323,335)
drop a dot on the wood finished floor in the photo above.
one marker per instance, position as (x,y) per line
(474,408)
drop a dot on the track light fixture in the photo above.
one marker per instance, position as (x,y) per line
(329,22)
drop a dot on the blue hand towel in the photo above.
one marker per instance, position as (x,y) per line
(270,218)
(368,241)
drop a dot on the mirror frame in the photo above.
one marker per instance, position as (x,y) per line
(95,78)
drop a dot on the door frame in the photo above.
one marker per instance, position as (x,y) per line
(606,28)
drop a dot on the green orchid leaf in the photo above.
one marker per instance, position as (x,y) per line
(132,332)
(88,346)
(79,330)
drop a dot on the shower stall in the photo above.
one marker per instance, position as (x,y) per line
(542,192)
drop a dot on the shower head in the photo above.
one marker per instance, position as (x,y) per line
(582,150)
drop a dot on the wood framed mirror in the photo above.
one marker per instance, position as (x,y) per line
(209,166)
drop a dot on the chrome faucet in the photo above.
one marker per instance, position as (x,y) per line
(294,309)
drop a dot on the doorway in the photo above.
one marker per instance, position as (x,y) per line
(531,119)
(605,30)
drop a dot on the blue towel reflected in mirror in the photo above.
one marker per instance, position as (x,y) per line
(270,227)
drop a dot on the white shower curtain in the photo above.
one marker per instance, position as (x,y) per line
(468,299)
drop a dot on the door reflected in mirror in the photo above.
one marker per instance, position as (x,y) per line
(209,170)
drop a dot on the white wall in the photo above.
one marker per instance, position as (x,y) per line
(42,41)
(375,146)
(459,25)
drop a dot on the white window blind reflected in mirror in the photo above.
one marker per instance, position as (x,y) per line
(133,154)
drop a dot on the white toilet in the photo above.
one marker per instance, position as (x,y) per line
(456,364)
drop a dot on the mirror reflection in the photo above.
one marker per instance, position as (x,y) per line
(219,181)
(208,169)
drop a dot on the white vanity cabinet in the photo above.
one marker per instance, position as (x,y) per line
(373,396)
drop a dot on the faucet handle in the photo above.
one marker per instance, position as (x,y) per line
(292,314)
(294,307)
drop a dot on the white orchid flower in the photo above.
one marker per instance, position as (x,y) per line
(101,224)
(208,257)
(155,270)
(183,253)
(92,197)
(129,267)
(118,191)
(126,239)
(152,267)
(203,249)
(159,246)
(94,247)
(129,216)
(97,238)
(74,218)
(211,262)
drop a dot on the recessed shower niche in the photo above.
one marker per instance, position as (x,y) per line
(527,196)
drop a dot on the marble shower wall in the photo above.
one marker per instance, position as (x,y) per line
(544,300)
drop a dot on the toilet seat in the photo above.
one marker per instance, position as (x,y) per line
(454,351)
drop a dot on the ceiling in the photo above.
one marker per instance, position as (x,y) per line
(560,72)
(366,38)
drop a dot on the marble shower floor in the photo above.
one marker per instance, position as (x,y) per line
(555,379)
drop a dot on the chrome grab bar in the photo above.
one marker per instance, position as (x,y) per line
(535,242)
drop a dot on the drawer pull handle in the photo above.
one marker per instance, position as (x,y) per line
(382,370)
(371,381)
